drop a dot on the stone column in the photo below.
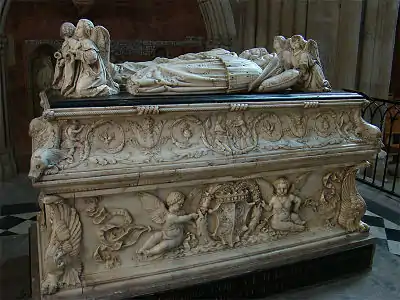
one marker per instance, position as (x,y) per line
(219,21)
(7,162)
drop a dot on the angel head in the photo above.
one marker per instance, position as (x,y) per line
(84,29)
(281,186)
(258,55)
(175,201)
(280,43)
(297,42)
(67,30)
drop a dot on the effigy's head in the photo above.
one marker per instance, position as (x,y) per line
(175,201)
(84,29)
(297,42)
(253,53)
(281,186)
(67,30)
(258,55)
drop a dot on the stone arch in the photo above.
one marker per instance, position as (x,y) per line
(219,21)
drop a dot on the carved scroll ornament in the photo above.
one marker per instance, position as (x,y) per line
(61,144)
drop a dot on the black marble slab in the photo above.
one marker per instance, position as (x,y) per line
(126,99)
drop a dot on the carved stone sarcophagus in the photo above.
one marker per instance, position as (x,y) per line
(141,195)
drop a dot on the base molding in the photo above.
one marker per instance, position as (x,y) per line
(263,283)
(259,275)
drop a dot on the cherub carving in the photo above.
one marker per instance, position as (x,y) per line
(72,141)
(305,59)
(285,205)
(65,64)
(89,75)
(172,219)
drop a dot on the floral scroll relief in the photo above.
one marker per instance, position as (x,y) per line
(147,136)
(229,134)
(63,144)
(117,231)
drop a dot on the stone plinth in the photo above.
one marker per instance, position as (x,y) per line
(143,195)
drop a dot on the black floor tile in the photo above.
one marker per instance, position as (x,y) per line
(14,209)
(393,234)
(373,221)
(8,222)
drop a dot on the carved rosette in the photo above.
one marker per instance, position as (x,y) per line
(60,145)
(62,267)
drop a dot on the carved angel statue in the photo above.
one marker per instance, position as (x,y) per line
(62,266)
(285,205)
(305,59)
(86,62)
(172,219)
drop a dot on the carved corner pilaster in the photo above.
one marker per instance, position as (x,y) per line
(352,206)
(62,263)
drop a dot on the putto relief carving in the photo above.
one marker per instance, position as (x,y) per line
(62,265)
(226,215)
(78,144)
(172,219)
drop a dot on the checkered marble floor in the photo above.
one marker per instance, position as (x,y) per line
(381,228)
(16,224)
(384,230)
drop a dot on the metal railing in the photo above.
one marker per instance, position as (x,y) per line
(384,171)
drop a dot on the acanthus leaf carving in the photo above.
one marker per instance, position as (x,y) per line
(352,205)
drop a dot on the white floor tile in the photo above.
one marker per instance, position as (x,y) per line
(22,228)
(368,213)
(378,232)
(26,216)
(391,225)
(394,247)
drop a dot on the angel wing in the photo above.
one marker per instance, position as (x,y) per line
(154,206)
(312,48)
(266,188)
(101,37)
(298,184)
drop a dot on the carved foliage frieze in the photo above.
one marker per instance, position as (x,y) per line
(68,144)
(224,215)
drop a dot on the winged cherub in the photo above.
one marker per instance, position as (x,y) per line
(285,208)
(173,219)
(305,59)
(90,76)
